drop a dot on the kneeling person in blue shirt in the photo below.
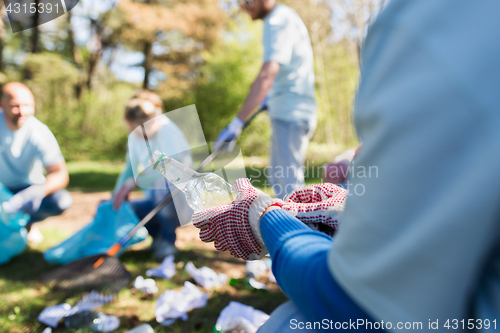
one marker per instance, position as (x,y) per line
(27,146)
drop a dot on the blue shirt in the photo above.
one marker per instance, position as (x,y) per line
(24,153)
(287,42)
(419,243)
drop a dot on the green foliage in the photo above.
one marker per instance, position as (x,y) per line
(230,69)
(87,128)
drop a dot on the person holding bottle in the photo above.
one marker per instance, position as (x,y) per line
(287,78)
(144,111)
(419,249)
(27,148)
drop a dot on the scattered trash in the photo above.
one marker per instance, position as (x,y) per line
(255,268)
(174,304)
(240,316)
(53,314)
(205,277)
(47,330)
(166,269)
(50,316)
(144,328)
(256,284)
(93,300)
(93,320)
(34,235)
(147,286)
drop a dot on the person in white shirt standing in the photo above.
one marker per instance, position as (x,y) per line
(27,146)
(287,78)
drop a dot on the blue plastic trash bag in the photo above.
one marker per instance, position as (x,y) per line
(107,228)
(12,232)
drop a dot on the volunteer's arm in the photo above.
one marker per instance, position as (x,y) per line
(259,88)
(57,178)
(300,266)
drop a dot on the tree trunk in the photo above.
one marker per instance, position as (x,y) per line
(148,55)
(35,33)
(95,56)
(94,59)
(2,36)
(76,56)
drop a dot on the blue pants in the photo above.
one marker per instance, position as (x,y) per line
(164,223)
(289,141)
(52,205)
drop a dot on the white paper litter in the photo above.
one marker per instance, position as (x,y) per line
(237,315)
(175,304)
(144,328)
(165,270)
(147,286)
(111,323)
(47,330)
(256,284)
(205,277)
(255,268)
(92,300)
(51,315)
(34,236)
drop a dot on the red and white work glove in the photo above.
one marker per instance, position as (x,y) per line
(319,206)
(235,227)
(122,194)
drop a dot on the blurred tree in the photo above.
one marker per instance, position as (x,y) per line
(35,32)
(89,128)
(231,66)
(171,36)
(2,35)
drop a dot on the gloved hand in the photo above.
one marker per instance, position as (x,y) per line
(235,227)
(122,194)
(232,131)
(318,206)
(27,200)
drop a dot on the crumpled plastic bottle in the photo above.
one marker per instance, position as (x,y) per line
(202,190)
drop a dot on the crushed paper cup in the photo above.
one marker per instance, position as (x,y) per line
(175,304)
(147,286)
(255,268)
(257,285)
(205,277)
(111,323)
(237,315)
(165,270)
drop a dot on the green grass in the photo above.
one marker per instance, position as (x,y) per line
(93,176)
(23,296)
(101,176)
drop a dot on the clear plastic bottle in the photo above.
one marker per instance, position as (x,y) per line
(202,190)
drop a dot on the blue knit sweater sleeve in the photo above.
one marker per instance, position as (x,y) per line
(299,257)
